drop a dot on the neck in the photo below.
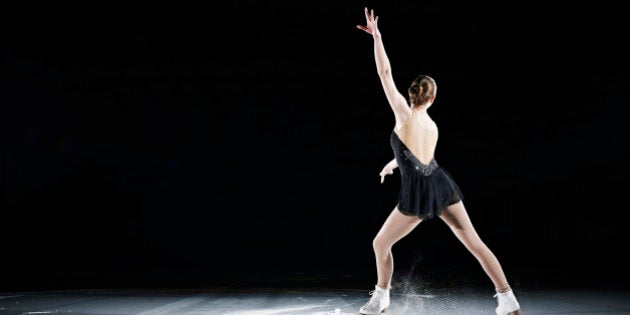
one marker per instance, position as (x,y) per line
(420,109)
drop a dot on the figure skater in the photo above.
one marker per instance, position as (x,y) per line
(427,190)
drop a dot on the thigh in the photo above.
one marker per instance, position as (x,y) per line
(456,217)
(396,226)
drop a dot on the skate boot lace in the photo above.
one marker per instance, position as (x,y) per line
(374,300)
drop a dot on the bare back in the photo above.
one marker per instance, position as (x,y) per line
(420,134)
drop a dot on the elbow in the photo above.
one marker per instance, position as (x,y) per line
(386,72)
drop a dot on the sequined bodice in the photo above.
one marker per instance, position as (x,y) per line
(408,163)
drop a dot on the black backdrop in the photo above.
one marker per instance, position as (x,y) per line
(143,142)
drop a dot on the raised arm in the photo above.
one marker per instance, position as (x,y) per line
(396,100)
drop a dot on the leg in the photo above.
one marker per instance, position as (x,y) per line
(395,227)
(457,219)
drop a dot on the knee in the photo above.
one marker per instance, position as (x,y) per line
(478,248)
(381,247)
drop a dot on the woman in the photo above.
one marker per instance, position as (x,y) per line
(427,190)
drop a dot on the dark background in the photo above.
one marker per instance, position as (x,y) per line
(239,143)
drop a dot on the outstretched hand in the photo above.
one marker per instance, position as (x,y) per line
(371,25)
(387,170)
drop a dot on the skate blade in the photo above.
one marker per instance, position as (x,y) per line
(383,311)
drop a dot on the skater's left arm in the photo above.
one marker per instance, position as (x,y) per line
(397,101)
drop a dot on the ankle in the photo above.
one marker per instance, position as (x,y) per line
(383,288)
(505,289)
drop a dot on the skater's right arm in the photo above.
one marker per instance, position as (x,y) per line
(388,169)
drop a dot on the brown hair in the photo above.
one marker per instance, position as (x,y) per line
(421,90)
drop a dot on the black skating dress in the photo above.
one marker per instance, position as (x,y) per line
(425,190)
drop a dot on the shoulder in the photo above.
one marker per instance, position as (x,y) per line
(433,125)
(430,123)
(402,119)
